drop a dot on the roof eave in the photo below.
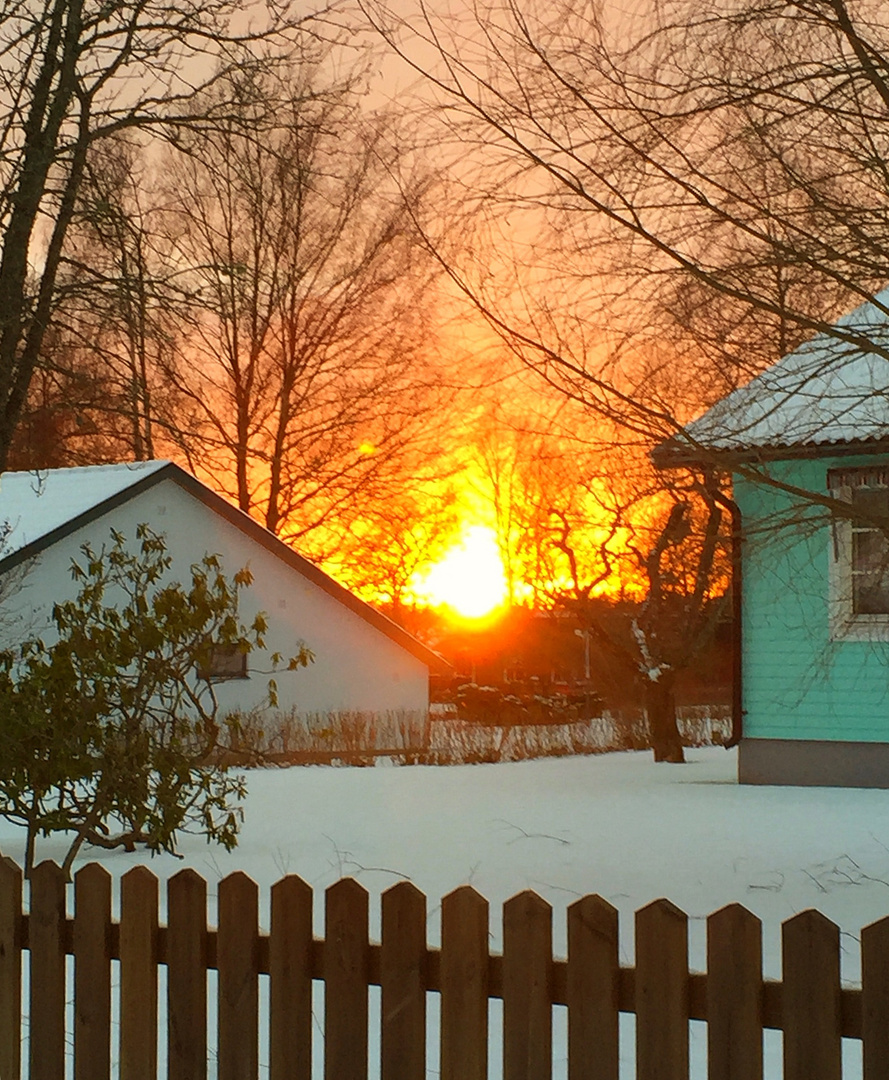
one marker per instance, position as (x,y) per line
(255,531)
(675,454)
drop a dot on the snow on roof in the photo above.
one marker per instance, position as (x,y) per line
(830,390)
(37,507)
(35,504)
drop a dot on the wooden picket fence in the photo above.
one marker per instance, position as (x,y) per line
(808,1005)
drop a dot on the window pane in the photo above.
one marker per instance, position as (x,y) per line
(874,501)
(224,662)
(870,597)
(870,554)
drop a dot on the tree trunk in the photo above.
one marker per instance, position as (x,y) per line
(30,841)
(660,706)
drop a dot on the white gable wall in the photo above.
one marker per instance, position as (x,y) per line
(356,667)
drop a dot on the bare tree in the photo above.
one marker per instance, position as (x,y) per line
(75,74)
(382,554)
(593,531)
(307,363)
(731,159)
(101,390)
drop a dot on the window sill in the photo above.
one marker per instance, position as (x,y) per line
(860,628)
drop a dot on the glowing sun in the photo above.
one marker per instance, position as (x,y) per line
(470,578)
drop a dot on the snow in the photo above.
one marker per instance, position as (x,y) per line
(34,504)
(828,391)
(616,824)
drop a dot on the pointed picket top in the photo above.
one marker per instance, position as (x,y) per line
(187,878)
(346,917)
(9,863)
(47,871)
(733,921)
(405,892)
(464,895)
(733,911)
(811,921)
(47,893)
(593,910)
(139,877)
(345,890)
(92,875)
(662,908)
(238,881)
(236,892)
(878,927)
(11,875)
(403,917)
(527,903)
(292,885)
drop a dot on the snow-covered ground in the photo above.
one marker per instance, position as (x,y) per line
(615,824)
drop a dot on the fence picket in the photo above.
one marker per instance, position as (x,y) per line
(811,1006)
(734,994)
(346,978)
(138,974)
(464,985)
(92,973)
(291,981)
(527,988)
(593,985)
(810,956)
(237,960)
(661,992)
(403,984)
(875,998)
(290,992)
(47,973)
(10,970)
(186,976)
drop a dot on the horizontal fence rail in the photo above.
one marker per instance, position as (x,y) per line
(808,1005)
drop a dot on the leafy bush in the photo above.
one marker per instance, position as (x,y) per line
(108,733)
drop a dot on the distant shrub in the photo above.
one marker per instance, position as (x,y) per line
(408,738)
(506,708)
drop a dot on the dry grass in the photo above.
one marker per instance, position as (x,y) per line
(354,738)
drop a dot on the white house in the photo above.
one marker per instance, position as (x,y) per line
(364,662)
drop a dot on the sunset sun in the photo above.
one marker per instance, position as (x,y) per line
(470,578)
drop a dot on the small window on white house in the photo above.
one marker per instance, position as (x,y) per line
(859,584)
(224,662)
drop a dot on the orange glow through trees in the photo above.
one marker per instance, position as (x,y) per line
(469,579)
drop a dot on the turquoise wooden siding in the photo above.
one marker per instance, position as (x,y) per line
(798,683)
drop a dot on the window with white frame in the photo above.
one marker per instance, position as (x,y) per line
(859,585)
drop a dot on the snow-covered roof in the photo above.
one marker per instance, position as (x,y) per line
(38,508)
(831,390)
(33,505)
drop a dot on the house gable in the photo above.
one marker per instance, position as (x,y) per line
(357,667)
(124,483)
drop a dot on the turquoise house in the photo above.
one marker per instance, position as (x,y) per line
(807,445)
